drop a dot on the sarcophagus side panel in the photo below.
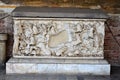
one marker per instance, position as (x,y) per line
(58,38)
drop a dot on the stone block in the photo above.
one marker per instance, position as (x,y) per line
(3,37)
(43,66)
(58,41)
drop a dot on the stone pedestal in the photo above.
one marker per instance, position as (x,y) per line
(58,66)
(58,41)
(3,38)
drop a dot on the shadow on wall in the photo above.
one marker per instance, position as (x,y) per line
(6,26)
(112,40)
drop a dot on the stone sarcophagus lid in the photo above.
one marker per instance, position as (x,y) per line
(64,37)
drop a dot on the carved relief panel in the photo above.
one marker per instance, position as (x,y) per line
(58,38)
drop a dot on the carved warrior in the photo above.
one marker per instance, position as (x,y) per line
(58,38)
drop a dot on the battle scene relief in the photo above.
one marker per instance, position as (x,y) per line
(58,38)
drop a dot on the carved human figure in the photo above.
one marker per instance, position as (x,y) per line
(58,38)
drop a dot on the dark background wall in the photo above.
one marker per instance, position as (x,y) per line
(112,40)
(109,5)
(112,29)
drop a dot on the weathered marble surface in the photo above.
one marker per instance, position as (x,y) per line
(85,67)
(56,37)
(59,12)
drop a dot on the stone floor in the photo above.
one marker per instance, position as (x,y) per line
(115,75)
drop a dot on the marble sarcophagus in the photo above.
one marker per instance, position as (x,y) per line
(58,41)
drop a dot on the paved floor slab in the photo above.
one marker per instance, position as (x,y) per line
(114,76)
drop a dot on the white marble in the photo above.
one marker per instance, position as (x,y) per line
(59,38)
(9,68)
(100,67)
(47,68)
(58,46)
